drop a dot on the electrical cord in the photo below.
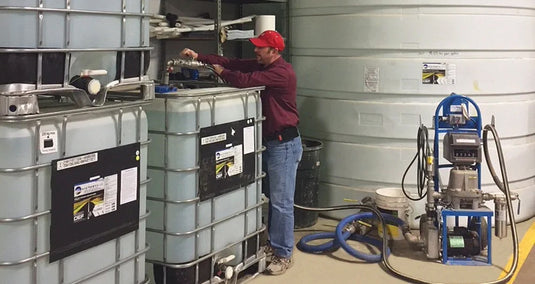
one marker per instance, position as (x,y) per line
(466,115)
(422,152)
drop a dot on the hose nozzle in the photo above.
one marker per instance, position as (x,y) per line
(192,64)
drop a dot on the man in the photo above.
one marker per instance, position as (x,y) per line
(280,134)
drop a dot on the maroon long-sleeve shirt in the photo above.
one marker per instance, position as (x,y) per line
(278,99)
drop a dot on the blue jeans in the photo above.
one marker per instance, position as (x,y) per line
(280,161)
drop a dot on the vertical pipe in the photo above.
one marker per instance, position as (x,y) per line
(118,240)
(258,155)
(123,58)
(117,258)
(35,199)
(212,200)
(165,184)
(64,136)
(142,20)
(138,125)
(123,24)
(40,25)
(444,239)
(217,26)
(246,116)
(39,70)
(61,268)
(166,178)
(142,42)
(141,64)
(245,101)
(197,183)
(66,69)
(212,110)
(120,127)
(66,74)
(138,231)
(123,40)
(67,24)
(489,239)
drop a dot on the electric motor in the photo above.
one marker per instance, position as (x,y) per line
(463,242)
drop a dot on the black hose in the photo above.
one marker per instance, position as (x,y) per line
(212,69)
(422,152)
(504,187)
(495,177)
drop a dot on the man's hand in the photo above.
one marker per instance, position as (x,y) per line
(218,68)
(188,53)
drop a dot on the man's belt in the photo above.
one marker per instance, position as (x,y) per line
(284,135)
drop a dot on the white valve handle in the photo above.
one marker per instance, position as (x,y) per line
(89,72)
(226,259)
(229,272)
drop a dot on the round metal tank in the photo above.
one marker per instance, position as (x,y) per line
(25,206)
(363,87)
(186,230)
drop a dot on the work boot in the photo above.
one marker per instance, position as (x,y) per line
(268,251)
(279,265)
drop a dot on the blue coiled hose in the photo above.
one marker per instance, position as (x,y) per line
(340,237)
(325,247)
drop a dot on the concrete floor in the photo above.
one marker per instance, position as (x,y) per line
(340,268)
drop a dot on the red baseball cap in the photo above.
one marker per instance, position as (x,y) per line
(269,39)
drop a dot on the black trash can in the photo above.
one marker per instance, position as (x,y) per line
(307,184)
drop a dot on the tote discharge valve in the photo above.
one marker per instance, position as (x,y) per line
(456,226)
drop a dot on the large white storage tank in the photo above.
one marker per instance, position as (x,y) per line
(73,166)
(362,88)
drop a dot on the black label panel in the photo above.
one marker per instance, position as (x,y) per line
(227,157)
(95,198)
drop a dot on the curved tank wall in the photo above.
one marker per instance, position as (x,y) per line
(362,88)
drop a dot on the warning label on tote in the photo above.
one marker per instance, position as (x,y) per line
(213,139)
(95,198)
(228,162)
(438,73)
(77,161)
